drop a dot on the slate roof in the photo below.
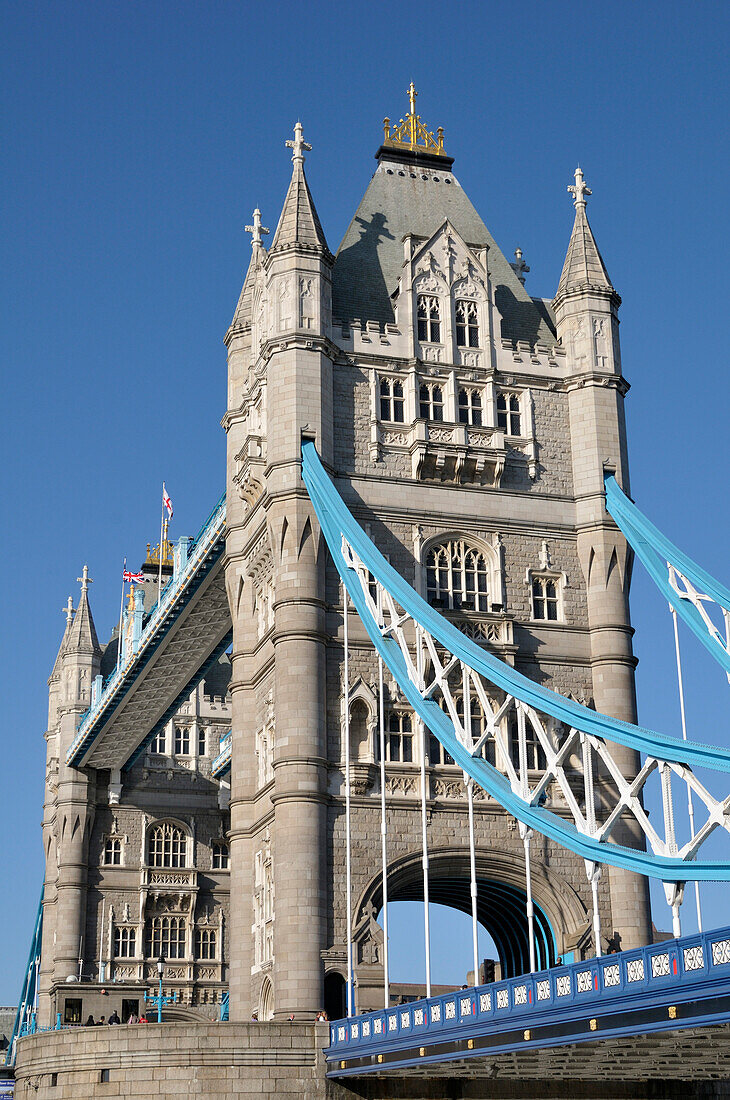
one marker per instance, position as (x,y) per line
(82,635)
(404,198)
(584,266)
(299,222)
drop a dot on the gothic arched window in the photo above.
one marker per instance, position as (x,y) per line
(470,407)
(467,324)
(457,577)
(205,943)
(508,413)
(166,937)
(429,319)
(167,846)
(391,400)
(398,737)
(431,401)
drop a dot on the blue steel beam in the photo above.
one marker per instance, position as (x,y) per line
(26,1005)
(682,983)
(337,524)
(655,551)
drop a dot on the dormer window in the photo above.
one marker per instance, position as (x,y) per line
(508,413)
(467,324)
(470,407)
(431,401)
(391,400)
(429,319)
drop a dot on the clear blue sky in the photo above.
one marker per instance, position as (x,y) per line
(136,141)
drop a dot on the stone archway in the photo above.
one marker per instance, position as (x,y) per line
(559,912)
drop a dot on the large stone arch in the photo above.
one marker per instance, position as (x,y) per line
(560,913)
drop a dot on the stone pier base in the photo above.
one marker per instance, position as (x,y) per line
(174,1061)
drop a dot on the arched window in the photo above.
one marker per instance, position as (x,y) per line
(431,401)
(205,943)
(470,407)
(167,846)
(467,324)
(266,1001)
(398,737)
(391,400)
(125,940)
(166,937)
(113,851)
(457,577)
(508,413)
(429,319)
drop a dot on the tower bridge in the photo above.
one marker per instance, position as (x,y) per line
(395,664)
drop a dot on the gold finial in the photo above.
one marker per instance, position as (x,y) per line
(410,133)
(130,598)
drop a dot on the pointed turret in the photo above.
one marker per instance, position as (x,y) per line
(584,269)
(82,636)
(244,306)
(299,225)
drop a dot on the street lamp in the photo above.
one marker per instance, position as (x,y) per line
(160,968)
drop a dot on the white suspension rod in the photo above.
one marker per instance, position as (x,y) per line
(421,734)
(383,836)
(473,866)
(690,803)
(530,906)
(348,845)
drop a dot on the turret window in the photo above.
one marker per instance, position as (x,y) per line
(470,407)
(398,737)
(182,741)
(391,400)
(205,943)
(125,943)
(508,413)
(544,598)
(431,402)
(467,324)
(429,319)
(168,846)
(457,577)
(166,937)
(113,852)
(220,855)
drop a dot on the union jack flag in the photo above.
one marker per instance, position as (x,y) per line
(166,502)
(132,578)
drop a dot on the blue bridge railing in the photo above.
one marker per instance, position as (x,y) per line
(658,978)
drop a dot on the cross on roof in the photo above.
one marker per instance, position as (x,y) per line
(412,93)
(299,144)
(579,190)
(85,580)
(257,229)
(68,611)
(519,267)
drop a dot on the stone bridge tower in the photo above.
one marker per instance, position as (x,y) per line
(467,425)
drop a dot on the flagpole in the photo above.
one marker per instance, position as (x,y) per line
(121,618)
(162,524)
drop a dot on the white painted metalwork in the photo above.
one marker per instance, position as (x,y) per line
(571,756)
(690,803)
(687,591)
(421,737)
(348,845)
(383,835)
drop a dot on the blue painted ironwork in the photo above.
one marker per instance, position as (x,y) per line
(158,1000)
(343,534)
(678,983)
(26,1007)
(203,554)
(224,1007)
(656,552)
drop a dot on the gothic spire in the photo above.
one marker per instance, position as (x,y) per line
(299,224)
(68,611)
(81,635)
(584,268)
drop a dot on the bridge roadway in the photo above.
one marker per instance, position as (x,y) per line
(186,632)
(648,999)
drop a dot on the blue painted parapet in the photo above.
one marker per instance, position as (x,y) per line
(675,984)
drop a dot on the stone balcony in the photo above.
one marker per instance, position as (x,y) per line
(440,451)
